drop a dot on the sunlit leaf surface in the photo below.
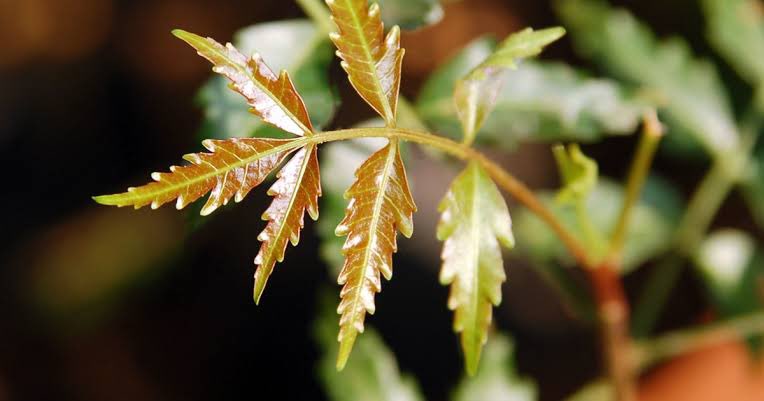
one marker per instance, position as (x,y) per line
(474,221)
(273,98)
(688,89)
(296,190)
(371,59)
(231,169)
(537,102)
(475,95)
(736,29)
(380,204)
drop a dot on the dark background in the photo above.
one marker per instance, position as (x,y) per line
(106,304)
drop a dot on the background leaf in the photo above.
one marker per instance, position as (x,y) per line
(411,14)
(687,89)
(371,59)
(372,374)
(497,379)
(540,101)
(380,204)
(753,187)
(579,173)
(475,94)
(308,59)
(653,222)
(474,221)
(736,30)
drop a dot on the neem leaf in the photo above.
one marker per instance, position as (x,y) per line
(233,167)
(475,94)
(539,101)
(579,173)
(654,219)
(689,89)
(372,374)
(273,98)
(474,221)
(411,14)
(372,61)
(736,29)
(296,190)
(497,379)
(380,204)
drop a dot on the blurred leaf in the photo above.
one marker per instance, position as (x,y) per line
(689,89)
(307,60)
(371,59)
(81,268)
(475,94)
(496,380)
(599,390)
(753,187)
(474,222)
(271,97)
(579,173)
(654,218)
(540,101)
(411,14)
(732,271)
(371,375)
(379,206)
(736,29)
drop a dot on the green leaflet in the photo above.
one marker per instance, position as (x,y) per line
(308,59)
(579,173)
(474,220)
(542,102)
(688,89)
(475,94)
(411,14)
(736,30)
(497,379)
(654,220)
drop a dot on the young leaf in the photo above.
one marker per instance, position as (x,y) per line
(273,98)
(689,89)
(474,220)
(372,61)
(379,204)
(372,374)
(736,29)
(497,379)
(475,94)
(308,59)
(296,190)
(579,173)
(543,102)
(232,169)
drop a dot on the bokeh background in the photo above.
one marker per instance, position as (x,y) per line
(113,304)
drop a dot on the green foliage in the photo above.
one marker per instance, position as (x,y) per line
(475,94)
(753,187)
(539,101)
(687,89)
(649,235)
(474,222)
(579,173)
(411,14)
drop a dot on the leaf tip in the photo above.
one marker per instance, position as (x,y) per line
(346,346)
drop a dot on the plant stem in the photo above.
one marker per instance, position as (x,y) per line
(652,133)
(679,342)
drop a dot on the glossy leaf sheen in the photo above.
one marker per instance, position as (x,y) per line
(371,59)
(380,204)
(273,98)
(475,95)
(296,190)
(232,169)
(474,221)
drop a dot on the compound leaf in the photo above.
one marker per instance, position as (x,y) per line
(475,94)
(273,98)
(380,204)
(371,59)
(231,169)
(296,190)
(474,221)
